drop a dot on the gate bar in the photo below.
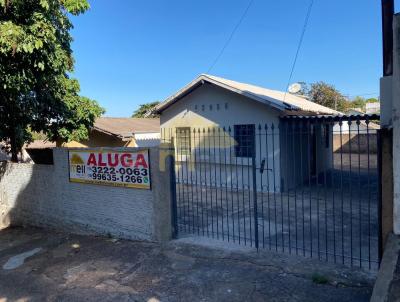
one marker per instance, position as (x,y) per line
(253,162)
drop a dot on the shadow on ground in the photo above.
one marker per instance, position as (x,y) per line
(88,268)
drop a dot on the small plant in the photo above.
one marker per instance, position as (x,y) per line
(319,279)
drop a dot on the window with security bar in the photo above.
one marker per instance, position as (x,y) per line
(244,140)
(183,145)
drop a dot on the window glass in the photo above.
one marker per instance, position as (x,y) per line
(244,140)
(183,140)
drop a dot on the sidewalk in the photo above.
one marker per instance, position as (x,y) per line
(394,289)
(39,265)
(387,285)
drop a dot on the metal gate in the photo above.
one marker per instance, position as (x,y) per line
(306,186)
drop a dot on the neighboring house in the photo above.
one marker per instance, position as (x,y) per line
(373,108)
(106,132)
(39,152)
(121,132)
(211,101)
(353,127)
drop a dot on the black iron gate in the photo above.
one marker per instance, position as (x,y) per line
(304,185)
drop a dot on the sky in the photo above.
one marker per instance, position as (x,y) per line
(129,52)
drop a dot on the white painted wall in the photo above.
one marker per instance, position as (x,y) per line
(353,128)
(210,106)
(151,139)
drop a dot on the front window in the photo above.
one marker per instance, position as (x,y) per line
(183,140)
(244,140)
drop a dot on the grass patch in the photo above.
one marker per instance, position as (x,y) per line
(319,279)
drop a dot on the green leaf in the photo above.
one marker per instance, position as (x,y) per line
(36,58)
(44,4)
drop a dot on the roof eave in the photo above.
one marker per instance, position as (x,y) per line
(110,133)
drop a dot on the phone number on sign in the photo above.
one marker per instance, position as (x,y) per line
(129,175)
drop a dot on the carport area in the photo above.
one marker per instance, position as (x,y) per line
(42,265)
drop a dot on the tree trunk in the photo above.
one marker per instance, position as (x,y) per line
(14,150)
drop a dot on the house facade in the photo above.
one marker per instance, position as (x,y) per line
(248,123)
(121,132)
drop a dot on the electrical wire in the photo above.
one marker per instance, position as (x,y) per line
(299,46)
(230,36)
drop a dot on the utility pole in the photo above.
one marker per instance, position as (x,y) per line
(385,135)
(387,36)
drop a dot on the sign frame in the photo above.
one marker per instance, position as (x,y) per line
(108,182)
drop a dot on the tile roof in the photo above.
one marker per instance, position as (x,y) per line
(126,127)
(277,99)
(40,144)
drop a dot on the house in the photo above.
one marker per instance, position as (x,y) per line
(243,111)
(373,108)
(106,132)
(121,132)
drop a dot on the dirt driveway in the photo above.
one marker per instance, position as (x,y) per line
(61,267)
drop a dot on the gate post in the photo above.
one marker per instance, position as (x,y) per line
(174,210)
(385,182)
(167,167)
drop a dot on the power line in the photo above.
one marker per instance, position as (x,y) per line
(231,36)
(299,45)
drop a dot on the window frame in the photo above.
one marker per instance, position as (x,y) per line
(187,149)
(244,146)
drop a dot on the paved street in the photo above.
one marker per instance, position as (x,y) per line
(38,265)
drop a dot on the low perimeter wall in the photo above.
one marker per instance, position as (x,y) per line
(41,195)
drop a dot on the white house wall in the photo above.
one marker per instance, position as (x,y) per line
(151,139)
(208,107)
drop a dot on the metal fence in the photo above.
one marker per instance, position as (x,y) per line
(307,186)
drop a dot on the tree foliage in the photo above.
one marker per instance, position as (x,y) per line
(327,95)
(372,100)
(359,102)
(36,91)
(145,108)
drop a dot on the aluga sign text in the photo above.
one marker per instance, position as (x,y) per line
(109,167)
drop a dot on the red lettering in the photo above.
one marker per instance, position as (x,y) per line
(126,160)
(101,163)
(91,160)
(110,163)
(140,161)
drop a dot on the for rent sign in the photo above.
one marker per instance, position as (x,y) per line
(109,167)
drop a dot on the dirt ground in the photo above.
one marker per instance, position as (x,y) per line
(62,267)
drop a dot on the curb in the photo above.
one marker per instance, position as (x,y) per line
(386,270)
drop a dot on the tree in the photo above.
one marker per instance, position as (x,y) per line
(372,100)
(145,108)
(359,102)
(327,95)
(36,91)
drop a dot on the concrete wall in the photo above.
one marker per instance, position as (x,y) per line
(42,195)
(355,143)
